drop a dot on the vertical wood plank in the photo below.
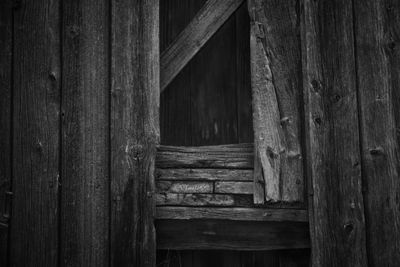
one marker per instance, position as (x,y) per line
(336,203)
(276,84)
(85,134)
(36,72)
(5,122)
(378,62)
(134,130)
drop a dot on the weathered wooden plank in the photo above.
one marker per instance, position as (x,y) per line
(378,70)
(230,235)
(5,122)
(234,187)
(172,199)
(85,134)
(336,201)
(204,174)
(208,20)
(134,130)
(236,214)
(184,187)
(276,84)
(36,135)
(237,156)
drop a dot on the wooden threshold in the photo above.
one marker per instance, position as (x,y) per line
(233,214)
(231,234)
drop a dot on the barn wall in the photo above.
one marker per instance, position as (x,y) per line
(58,103)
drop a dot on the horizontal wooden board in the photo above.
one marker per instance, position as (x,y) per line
(184,187)
(172,199)
(205,174)
(231,235)
(235,214)
(234,187)
(237,156)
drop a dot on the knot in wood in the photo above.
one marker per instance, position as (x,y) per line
(135,151)
(348,228)
(73,31)
(316,85)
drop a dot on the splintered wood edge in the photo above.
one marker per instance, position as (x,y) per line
(235,214)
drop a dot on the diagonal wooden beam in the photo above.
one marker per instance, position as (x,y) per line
(203,26)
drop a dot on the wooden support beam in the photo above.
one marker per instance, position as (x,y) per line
(236,156)
(35,143)
(134,130)
(377,25)
(337,224)
(276,85)
(5,123)
(231,235)
(208,20)
(85,136)
(236,214)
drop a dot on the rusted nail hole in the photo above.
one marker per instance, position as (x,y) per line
(376,151)
(336,98)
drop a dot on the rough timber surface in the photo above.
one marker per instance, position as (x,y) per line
(377,26)
(35,143)
(135,95)
(336,204)
(276,80)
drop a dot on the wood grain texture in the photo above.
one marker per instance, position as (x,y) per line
(230,235)
(134,130)
(198,199)
(6,34)
(333,153)
(184,187)
(235,156)
(213,89)
(229,258)
(276,84)
(236,187)
(85,134)
(208,20)
(176,99)
(236,214)
(204,174)
(243,80)
(36,121)
(378,70)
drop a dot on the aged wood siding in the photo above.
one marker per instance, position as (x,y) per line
(35,183)
(6,34)
(135,130)
(276,84)
(85,134)
(336,201)
(378,69)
